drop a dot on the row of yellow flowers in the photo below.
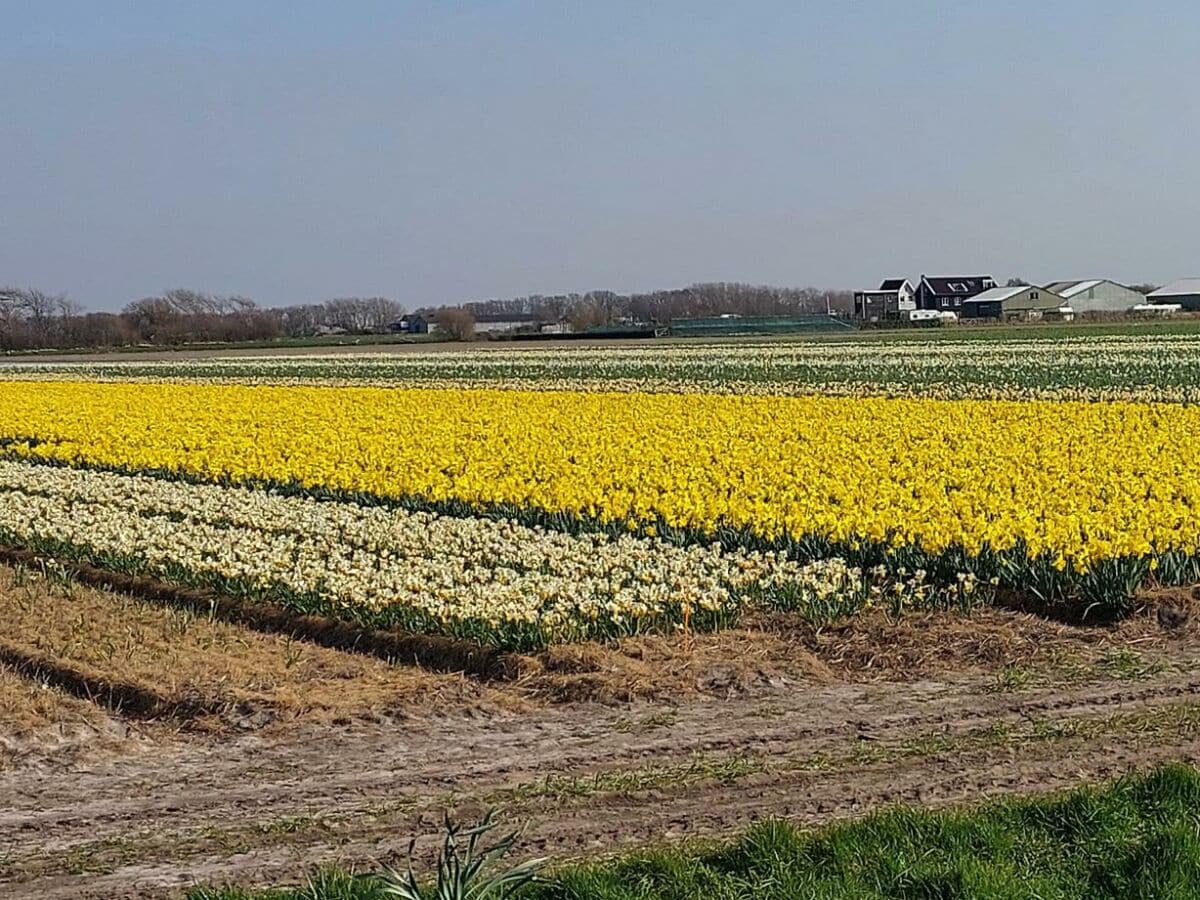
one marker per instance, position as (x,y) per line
(1080,481)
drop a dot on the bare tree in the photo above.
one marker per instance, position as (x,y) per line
(31,318)
(457,322)
(181,316)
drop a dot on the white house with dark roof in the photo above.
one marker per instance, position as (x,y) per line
(894,297)
(1097,295)
(1185,293)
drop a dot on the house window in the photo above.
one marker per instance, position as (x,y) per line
(1034,295)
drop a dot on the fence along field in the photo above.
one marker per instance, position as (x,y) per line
(518,518)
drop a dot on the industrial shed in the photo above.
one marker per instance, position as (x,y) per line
(1185,292)
(1097,295)
(1022,302)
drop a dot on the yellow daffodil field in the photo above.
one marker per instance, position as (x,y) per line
(519,516)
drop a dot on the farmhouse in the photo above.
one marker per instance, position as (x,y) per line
(1096,295)
(1020,302)
(895,295)
(1185,293)
(411,324)
(947,294)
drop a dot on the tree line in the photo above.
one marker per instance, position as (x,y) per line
(32,319)
(600,308)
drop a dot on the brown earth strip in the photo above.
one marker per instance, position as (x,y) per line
(431,652)
(146,661)
(131,701)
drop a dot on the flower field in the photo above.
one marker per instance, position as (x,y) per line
(522,517)
(496,581)
(1137,367)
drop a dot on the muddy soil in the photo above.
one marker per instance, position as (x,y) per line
(584,779)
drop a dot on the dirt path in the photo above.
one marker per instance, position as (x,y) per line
(585,779)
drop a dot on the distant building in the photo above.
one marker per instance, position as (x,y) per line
(895,296)
(508,322)
(1027,301)
(947,294)
(411,324)
(1097,295)
(1185,293)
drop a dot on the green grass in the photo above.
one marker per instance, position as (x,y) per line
(1138,837)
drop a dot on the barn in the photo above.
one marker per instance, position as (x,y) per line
(1097,295)
(1019,302)
(1185,292)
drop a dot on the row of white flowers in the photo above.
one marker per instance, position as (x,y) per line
(448,569)
(1138,367)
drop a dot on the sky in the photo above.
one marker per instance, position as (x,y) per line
(443,152)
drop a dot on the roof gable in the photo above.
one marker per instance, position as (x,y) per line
(960,285)
(1069,289)
(1000,293)
(1184,286)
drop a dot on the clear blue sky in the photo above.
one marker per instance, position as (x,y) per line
(436,152)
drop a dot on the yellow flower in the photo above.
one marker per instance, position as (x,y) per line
(1080,481)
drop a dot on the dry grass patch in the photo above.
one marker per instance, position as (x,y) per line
(27,705)
(153,661)
(878,646)
(772,650)
(36,720)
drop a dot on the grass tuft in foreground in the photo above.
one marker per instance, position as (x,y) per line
(1138,837)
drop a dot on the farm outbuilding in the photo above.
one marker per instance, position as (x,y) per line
(1185,293)
(894,298)
(1024,301)
(1098,295)
(410,324)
